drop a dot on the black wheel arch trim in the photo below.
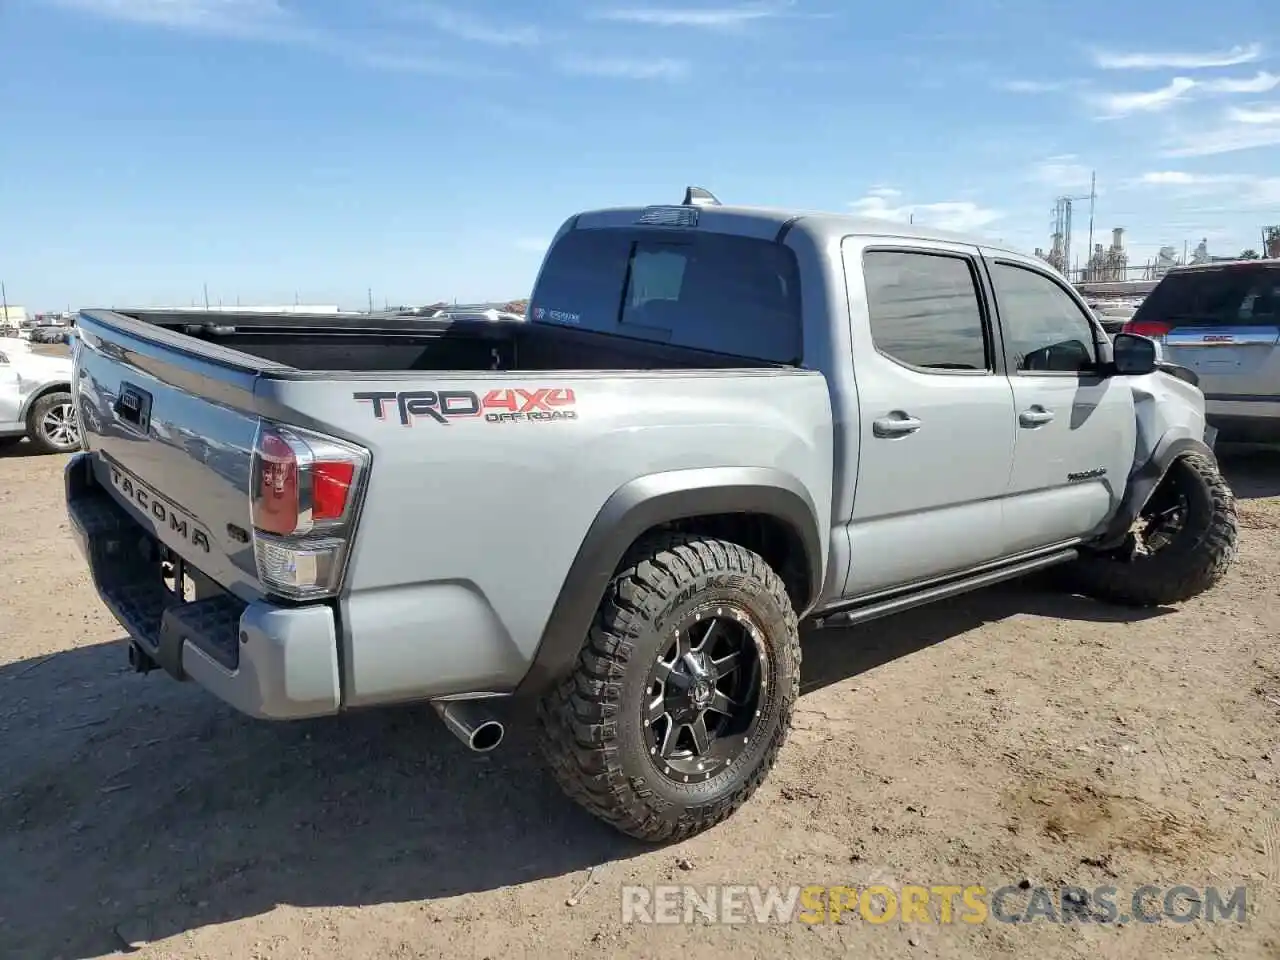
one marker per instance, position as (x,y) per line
(1144,481)
(53,386)
(644,503)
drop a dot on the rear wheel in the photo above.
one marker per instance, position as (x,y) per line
(683,693)
(1182,544)
(52,425)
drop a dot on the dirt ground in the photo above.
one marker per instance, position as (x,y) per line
(1014,735)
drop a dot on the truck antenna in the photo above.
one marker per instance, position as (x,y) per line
(699,197)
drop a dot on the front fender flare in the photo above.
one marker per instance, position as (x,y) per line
(644,503)
(1144,480)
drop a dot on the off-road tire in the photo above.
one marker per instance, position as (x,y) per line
(35,420)
(592,728)
(1196,559)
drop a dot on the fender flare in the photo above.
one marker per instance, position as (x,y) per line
(1144,480)
(49,386)
(638,506)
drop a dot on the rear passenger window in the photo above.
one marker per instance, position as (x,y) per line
(925,310)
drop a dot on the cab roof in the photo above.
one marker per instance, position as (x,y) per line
(768,222)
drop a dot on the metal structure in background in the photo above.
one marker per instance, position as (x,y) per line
(1059,255)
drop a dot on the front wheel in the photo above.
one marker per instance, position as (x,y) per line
(52,425)
(683,693)
(1184,541)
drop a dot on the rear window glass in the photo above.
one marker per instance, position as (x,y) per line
(1224,297)
(709,291)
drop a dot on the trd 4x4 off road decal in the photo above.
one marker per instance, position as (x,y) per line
(497,406)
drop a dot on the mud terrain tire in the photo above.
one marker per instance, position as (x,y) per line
(1193,561)
(599,733)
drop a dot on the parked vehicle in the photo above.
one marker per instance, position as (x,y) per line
(50,333)
(1222,320)
(716,423)
(35,398)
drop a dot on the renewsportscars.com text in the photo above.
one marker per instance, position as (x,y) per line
(935,904)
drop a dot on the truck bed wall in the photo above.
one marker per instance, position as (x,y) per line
(398,346)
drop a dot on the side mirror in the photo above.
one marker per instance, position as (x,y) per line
(1133,355)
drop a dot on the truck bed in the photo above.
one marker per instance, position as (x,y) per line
(392,342)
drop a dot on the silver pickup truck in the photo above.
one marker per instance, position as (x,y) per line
(717,423)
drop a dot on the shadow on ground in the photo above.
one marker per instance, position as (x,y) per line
(1253,470)
(143,804)
(16,447)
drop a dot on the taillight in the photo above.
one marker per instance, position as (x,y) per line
(1154,329)
(304,488)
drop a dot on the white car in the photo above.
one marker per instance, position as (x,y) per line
(35,398)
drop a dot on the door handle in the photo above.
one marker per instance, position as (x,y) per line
(895,426)
(1035,417)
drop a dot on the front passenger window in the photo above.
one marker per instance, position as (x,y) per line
(1045,331)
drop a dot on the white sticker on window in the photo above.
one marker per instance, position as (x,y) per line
(556,316)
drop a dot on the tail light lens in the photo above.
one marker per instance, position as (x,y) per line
(305,491)
(1154,329)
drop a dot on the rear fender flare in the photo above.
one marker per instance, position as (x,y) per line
(644,503)
(1144,480)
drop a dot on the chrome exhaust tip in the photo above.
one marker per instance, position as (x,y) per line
(471,724)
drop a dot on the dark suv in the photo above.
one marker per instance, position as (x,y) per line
(1222,320)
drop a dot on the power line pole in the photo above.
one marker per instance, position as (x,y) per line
(371,299)
(1093,197)
(206,296)
(4,300)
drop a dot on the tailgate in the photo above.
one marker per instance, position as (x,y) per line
(1236,360)
(171,429)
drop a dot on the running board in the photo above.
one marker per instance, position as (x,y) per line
(874,609)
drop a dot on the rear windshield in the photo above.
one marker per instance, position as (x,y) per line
(710,291)
(1234,295)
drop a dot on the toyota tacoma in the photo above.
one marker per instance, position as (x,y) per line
(717,423)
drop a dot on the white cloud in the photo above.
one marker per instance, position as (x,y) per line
(1032,86)
(1064,172)
(1149,101)
(649,68)
(721,18)
(1260,82)
(1264,115)
(1176,177)
(204,16)
(466,27)
(269,21)
(1260,129)
(1246,188)
(1169,60)
(961,216)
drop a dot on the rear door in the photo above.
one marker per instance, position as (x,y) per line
(1075,429)
(1223,322)
(935,414)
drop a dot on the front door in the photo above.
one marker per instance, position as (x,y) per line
(1075,430)
(935,413)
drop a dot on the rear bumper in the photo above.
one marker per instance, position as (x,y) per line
(268,661)
(1253,418)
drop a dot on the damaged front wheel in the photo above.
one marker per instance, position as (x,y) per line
(1181,545)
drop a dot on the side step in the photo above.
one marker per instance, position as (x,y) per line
(874,609)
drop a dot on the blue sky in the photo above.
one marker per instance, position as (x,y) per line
(317,148)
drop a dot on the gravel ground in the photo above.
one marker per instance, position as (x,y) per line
(1014,735)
